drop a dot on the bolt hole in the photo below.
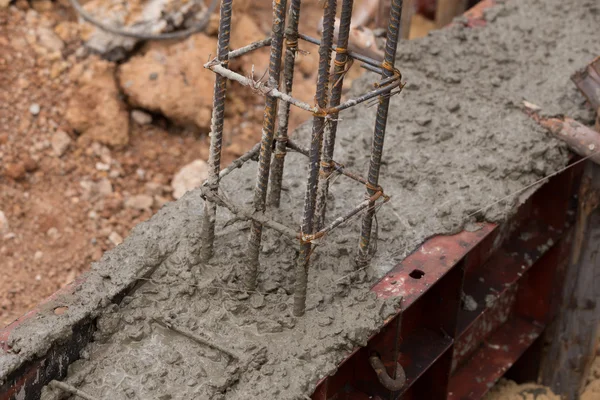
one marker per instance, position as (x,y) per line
(60,310)
(416,274)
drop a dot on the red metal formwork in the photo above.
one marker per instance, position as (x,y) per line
(472,305)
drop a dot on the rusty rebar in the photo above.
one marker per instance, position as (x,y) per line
(371,62)
(382,90)
(391,44)
(314,156)
(266,146)
(339,71)
(249,48)
(246,214)
(340,168)
(216,136)
(370,202)
(259,87)
(238,162)
(291,48)
(200,340)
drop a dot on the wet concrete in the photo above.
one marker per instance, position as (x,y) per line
(457,142)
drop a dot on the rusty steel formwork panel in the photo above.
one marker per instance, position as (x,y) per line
(472,305)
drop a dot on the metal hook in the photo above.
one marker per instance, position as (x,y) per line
(391,384)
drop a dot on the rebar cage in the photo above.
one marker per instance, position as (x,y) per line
(272,148)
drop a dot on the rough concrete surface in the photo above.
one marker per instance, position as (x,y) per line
(457,141)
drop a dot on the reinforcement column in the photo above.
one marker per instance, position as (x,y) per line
(216,131)
(393,33)
(266,144)
(314,156)
(291,47)
(341,58)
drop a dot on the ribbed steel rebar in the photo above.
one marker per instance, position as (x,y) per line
(266,145)
(391,44)
(314,156)
(291,47)
(339,71)
(216,138)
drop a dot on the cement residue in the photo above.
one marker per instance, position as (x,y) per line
(457,141)
(509,390)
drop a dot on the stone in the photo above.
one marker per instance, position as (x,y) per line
(160,201)
(4,227)
(4,4)
(96,110)
(29,163)
(52,233)
(92,190)
(189,177)
(165,79)
(38,256)
(15,171)
(49,40)
(115,238)
(104,187)
(34,109)
(139,202)
(141,118)
(60,143)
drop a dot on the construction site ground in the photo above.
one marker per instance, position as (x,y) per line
(80,167)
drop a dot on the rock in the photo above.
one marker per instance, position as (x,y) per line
(104,187)
(153,188)
(15,171)
(38,256)
(52,233)
(140,16)
(92,190)
(49,40)
(4,3)
(115,238)
(189,177)
(166,80)
(141,118)
(29,164)
(4,227)
(160,201)
(96,110)
(34,109)
(139,202)
(60,143)
(100,166)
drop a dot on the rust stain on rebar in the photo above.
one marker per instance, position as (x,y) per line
(314,156)
(216,138)
(268,131)
(393,33)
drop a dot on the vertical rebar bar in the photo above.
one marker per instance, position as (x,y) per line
(216,135)
(291,48)
(266,144)
(314,156)
(341,58)
(391,44)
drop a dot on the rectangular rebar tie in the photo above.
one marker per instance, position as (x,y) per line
(339,72)
(291,47)
(314,156)
(216,136)
(266,145)
(391,44)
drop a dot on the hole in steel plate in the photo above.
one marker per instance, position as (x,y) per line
(416,274)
